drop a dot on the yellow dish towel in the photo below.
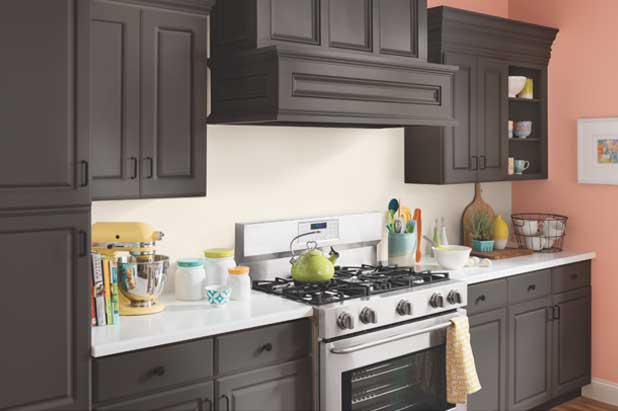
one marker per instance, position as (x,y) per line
(461,378)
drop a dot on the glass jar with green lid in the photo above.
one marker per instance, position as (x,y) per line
(216,263)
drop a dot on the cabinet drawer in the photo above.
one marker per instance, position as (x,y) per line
(570,277)
(129,374)
(486,296)
(528,286)
(247,350)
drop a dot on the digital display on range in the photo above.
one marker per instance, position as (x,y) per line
(318,226)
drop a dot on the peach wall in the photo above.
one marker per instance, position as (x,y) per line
(495,7)
(582,83)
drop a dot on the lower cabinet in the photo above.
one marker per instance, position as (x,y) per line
(198,397)
(530,336)
(280,387)
(530,344)
(488,338)
(571,336)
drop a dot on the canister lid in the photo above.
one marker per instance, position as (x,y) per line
(190,262)
(219,252)
(241,269)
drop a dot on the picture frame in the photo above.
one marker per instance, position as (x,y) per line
(597,150)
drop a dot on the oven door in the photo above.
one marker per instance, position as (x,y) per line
(398,368)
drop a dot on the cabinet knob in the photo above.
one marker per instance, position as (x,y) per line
(481,298)
(266,347)
(531,287)
(573,276)
(158,371)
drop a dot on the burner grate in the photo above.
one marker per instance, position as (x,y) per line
(350,282)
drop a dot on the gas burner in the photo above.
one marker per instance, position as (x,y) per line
(350,282)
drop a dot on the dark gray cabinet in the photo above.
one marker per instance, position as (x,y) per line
(45,311)
(487,50)
(530,336)
(488,339)
(402,30)
(530,348)
(571,334)
(149,102)
(115,128)
(44,153)
(198,397)
(280,387)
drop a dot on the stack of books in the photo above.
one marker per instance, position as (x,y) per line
(105,304)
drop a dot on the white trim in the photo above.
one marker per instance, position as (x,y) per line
(602,390)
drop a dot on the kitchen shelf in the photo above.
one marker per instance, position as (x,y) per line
(529,139)
(524,100)
(528,176)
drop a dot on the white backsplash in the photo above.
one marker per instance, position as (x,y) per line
(259,173)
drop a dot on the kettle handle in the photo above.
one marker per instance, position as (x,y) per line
(293,259)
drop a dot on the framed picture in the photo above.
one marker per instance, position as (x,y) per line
(597,150)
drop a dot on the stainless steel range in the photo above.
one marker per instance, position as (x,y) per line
(379,331)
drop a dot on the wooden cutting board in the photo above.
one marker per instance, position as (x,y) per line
(477,204)
(502,254)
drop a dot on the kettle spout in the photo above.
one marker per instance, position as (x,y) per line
(333,255)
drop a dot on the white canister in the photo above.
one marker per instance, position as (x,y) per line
(189,279)
(216,264)
(240,283)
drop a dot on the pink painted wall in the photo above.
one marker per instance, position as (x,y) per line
(582,83)
(495,7)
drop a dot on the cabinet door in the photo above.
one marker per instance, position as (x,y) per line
(292,21)
(45,311)
(493,120)
(350,24)
(488,338)
(530,339)
(403,28)
(44,103)
(461,159)
(282,387)
(197,397)
(571,345)
(115,100)
(173,104)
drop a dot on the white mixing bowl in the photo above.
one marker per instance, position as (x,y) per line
(452,257)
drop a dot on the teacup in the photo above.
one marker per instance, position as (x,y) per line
(535,243)
(521,166)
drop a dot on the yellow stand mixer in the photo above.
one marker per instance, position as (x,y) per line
(141,271)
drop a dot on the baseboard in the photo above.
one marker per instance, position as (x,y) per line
(602,390)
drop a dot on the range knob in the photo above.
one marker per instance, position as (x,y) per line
(454,297)
(404,307)
(367,315)
(345,321)
(436,300)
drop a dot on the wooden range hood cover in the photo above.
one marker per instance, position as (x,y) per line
(282,62)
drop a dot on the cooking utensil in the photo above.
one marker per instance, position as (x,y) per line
(452,257)
(141,283)
(411,226)
(312,266)
(419,233)
(430,241)
(393,207)
(477,205)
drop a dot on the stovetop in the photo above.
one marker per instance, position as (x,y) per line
(351,282)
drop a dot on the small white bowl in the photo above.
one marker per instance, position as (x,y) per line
(217,295)
(528,227)
(535,243)
(516,85)
(452,257)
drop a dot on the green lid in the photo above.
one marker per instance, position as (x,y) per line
(219,252)
(190,262)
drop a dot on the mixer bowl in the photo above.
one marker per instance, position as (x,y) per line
(142,282)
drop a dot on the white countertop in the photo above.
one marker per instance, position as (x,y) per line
(512,266)
(188,320)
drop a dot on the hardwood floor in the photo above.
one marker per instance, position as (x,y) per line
(584,404)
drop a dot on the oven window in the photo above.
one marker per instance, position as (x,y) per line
(412,382)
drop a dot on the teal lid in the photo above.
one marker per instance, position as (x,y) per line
(190,262)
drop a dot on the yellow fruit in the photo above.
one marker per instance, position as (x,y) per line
(500,229)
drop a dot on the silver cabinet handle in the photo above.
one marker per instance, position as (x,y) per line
(359,347)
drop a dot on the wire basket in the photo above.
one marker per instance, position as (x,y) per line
(539,232)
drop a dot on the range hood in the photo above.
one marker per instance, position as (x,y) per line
(326,63)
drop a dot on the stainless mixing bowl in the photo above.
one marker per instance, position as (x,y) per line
(142,282)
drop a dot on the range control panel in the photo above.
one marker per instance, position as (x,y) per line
(328,228)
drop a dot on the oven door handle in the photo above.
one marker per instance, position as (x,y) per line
(359,347)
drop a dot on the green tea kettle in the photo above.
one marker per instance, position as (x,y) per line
(312,266)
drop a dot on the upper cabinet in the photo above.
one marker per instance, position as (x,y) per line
(44,154)
(330,62)
(148,101)
(488,50)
